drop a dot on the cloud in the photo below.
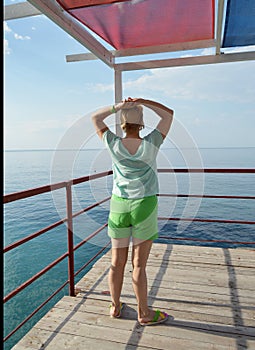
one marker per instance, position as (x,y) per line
(9,31)
(226,82)
(7,49)
(100,87)
(231,82)
(204,52)
(6,27)
(239,49)
(21,37)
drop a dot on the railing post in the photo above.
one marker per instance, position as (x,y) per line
(70,237)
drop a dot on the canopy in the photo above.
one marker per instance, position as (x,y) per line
(141,23)
(139,27)
(240,23)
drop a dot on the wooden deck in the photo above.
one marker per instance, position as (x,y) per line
(209,293)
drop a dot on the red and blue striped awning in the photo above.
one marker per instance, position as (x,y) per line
(126,24)
(140,27)
(239,23)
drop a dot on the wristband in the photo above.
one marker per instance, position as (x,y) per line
(113,110)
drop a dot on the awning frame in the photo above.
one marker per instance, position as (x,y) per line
(69,24)
(64,20)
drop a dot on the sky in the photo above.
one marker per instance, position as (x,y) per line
(44,95)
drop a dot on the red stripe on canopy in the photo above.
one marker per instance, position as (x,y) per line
(141,23)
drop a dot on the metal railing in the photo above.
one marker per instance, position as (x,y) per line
(69,221)
(71,248)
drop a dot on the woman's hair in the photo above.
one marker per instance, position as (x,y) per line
(132,118)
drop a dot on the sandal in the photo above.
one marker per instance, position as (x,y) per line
(158,314)
(119,313)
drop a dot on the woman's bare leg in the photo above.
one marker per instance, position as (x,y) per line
(140,254)
(116,273)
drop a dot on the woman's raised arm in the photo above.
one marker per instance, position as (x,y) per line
(165,113)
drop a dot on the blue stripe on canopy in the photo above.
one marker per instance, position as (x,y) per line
(240,23)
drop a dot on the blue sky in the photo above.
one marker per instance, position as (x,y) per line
(44,95)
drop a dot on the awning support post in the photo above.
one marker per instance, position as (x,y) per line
(118,98)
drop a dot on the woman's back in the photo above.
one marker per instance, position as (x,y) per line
(131,144)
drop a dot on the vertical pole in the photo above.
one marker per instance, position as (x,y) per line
(219,25)
(70,238)
(118,98)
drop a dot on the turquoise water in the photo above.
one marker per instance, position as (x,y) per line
(29,169)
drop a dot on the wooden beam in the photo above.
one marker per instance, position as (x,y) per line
(186,61)
(69,24)
(20,10)
(193,45)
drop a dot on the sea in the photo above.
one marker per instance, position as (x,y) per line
(27,169)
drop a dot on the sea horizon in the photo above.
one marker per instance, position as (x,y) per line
(101,148)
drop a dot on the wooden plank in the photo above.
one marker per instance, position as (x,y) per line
(128,332)
(239,257)
(201,284)
(210,278)
(195,311)
(40,339)
(198,291)
(211,303)
(184,292)
(178,310)
(189,298)
(201,260)
(217,261)
(199,269)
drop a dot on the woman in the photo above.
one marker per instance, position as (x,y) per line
(133,208)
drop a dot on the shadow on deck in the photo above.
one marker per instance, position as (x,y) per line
(209,293)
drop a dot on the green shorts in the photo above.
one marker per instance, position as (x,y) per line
(133,217)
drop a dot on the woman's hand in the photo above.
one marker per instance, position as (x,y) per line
(126,104)
(136,100)
(164,113)
(129,103)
